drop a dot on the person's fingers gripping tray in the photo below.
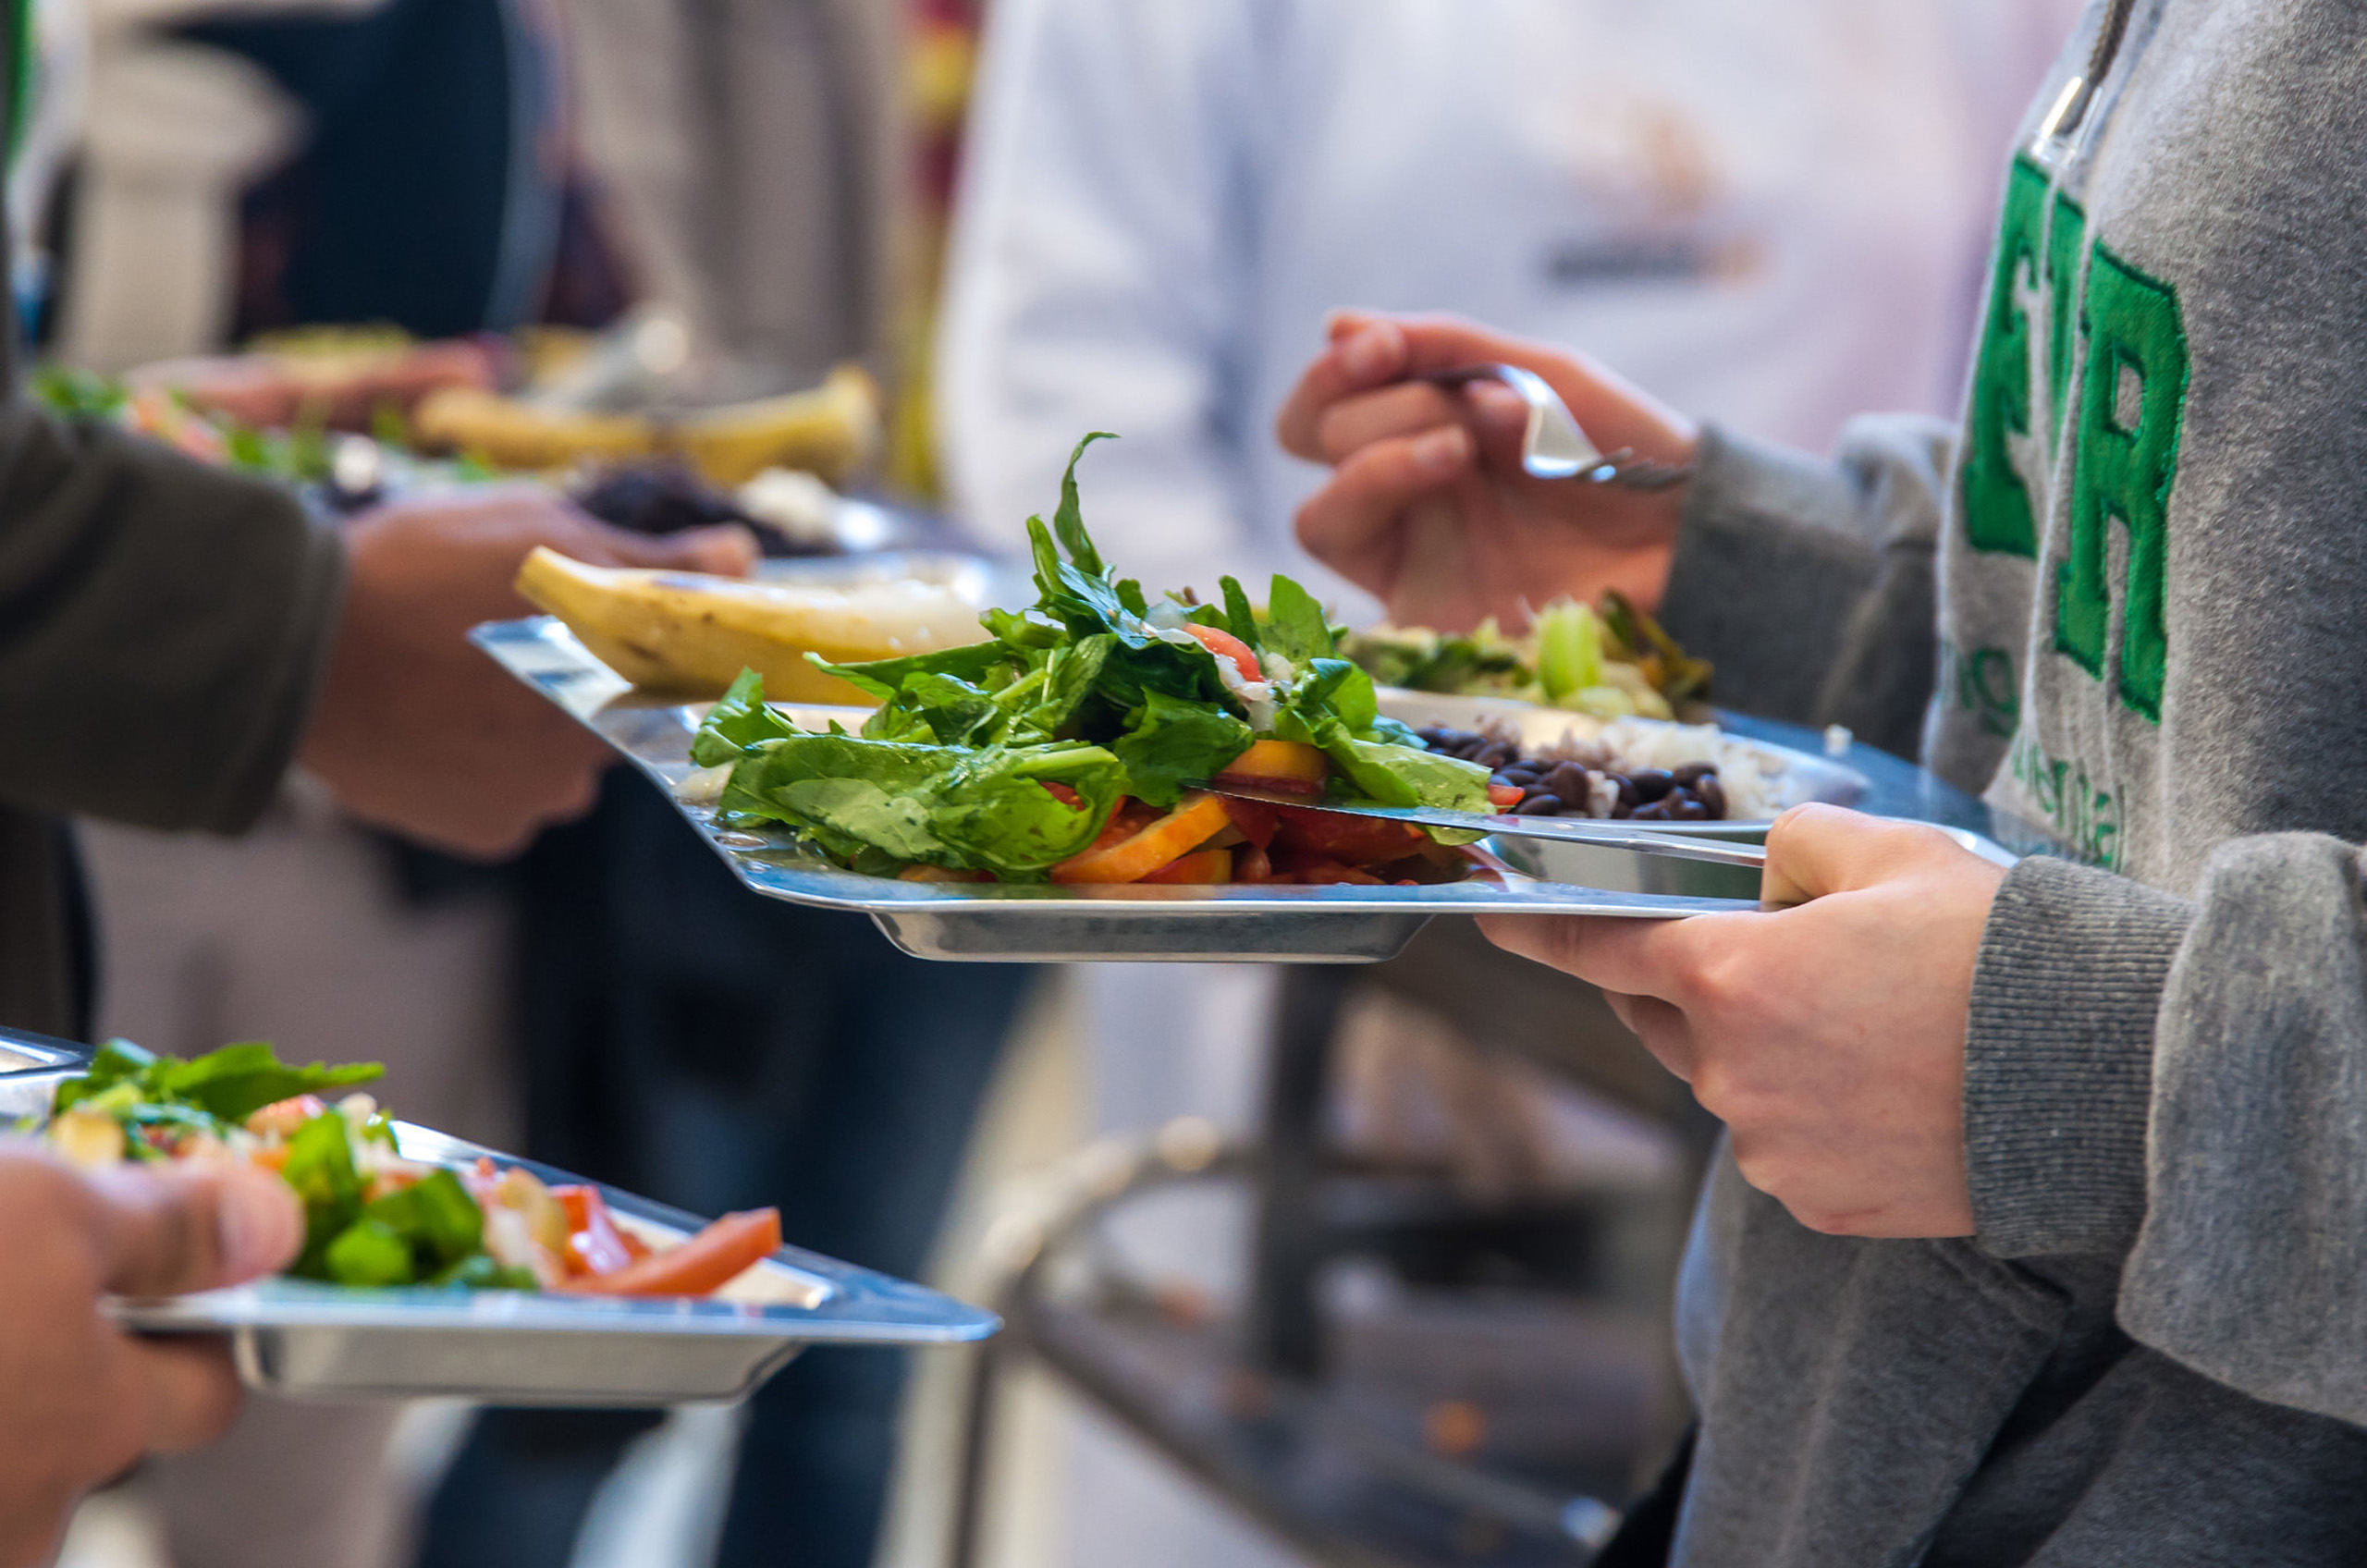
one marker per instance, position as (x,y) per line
(80,1400)
(1828,1035)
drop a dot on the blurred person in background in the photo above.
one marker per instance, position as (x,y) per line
(1772,213)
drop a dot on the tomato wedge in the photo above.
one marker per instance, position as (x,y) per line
(1225,645)
(1200,818)
(1352,841)
(1287,767)
(1202,868)
(693,1267)
(1255,819)
(1503,797)
(594,1246)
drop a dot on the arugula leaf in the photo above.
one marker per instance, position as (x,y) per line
(1239,617)
(1296,626)
(1068,522)
(1170,742)
(737,722)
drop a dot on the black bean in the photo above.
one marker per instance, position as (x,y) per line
(1569,782)
(1622,810)
(1539,805)
(1652,811)
(1495,755)
(1651,783)
(1500,777)
(1713,795)
(1692,771)
(1687,808)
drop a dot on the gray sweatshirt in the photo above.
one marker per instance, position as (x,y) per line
(2142,551)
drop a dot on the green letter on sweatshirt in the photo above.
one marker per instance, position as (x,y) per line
(1997,514)
(2122,467)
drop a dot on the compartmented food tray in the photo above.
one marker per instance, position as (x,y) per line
(1248,924)
(322,1342)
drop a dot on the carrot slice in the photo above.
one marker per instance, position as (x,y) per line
(1203,869)
(1289,767)
(696,1265)
(1200,818)
(1225,645)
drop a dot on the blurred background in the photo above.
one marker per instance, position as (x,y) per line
(1363,1267)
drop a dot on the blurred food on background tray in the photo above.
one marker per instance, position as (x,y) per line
(372,1218)
(681,631)
(832,431)
(1611,661)
(355,414)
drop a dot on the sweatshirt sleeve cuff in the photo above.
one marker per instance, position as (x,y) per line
(1766,547)
(2059,1057)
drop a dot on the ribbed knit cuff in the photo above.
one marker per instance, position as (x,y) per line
(1767,566)
(2058,1069)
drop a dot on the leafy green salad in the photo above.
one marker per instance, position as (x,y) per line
(1011,758)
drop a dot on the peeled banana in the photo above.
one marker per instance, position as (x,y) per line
(682,631)
(832,431)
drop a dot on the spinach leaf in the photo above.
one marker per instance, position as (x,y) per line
(886,678)
(1027,630)
(117,1062)
(1170,742)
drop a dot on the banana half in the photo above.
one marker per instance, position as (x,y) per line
(682,631)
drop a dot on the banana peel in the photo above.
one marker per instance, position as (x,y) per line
(832,431)
(689,633)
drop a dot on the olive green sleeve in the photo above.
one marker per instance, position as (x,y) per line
(162,627)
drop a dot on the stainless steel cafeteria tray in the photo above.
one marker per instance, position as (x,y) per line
(316,1341)
(1045,923)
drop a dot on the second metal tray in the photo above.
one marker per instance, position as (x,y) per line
(318,1341)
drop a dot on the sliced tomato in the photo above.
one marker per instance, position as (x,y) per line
(695,1265)
(1224,645)
(1352,841)
(1065,795)
(1503,797)
(284,1117)
(1199,818)
(1202,868)
(1255,820)
(1250,863)
(594,1244)
(1283,767)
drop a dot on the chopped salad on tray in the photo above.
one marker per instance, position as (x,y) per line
(1066,748)
(372,1218)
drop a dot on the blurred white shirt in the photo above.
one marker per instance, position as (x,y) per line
(1773,216)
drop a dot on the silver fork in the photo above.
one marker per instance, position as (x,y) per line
(1553,446)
